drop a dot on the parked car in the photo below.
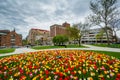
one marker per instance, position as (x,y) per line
(15,46)
(1,47)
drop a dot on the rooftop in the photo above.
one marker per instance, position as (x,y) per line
(39,29)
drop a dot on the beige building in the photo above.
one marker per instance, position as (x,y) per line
(90,36)
(38,36)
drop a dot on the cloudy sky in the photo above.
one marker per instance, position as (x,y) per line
(26,14)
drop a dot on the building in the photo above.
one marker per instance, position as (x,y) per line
(91,36)
(10,38)
(38,36)
(59,29)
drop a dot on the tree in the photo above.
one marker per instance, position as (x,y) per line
(37,42)
(115,25)
(83,28)
(24,42)
(99,36)
(73,33)
(103,11)
(60,39)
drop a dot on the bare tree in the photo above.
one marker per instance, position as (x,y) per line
(83,27)
(103,12)
(115,25)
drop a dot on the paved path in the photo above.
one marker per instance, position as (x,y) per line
(19,51)
(25,50)
(102,48)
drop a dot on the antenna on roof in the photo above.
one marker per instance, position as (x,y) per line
(14,29)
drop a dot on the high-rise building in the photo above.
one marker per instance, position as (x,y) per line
(10,38)
(59,29)
(38,36)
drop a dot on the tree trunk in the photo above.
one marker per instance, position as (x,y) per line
(108,42)
(106,25)
(74,41)
(115,36)
(79,42)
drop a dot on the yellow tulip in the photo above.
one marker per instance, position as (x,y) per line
(89,78)
(11,78)
(112,74)
(105,72)
(100,76)
(92,74)
(40,72)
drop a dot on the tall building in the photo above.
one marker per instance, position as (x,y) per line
(10,38)
(59,29)
(90,36)
(38,36)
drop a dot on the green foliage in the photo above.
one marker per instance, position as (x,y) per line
(100,34)
(24,42)
(60,39)
(73,32)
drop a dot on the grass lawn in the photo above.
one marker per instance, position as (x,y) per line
(7,50)
(115,54)
(105,45)
(52,47)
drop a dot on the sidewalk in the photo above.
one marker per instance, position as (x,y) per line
(102,48)
(26,50)
(19,51)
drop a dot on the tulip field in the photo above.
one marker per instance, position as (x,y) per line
(60,65)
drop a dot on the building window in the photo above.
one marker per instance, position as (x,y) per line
(12,36)
(12,39)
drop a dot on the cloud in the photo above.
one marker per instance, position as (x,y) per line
(26,14)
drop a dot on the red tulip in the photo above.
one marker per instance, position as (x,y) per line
(118,75)
(0,72)
(5,67)
(21,71)
(66,71)
(23,77)
(117,79)
(73,73)
(10,72)
(60,74)
(66,79)
(95,67)
(41,79)
(60,79)
(46,72)
(30,66)
(102,78)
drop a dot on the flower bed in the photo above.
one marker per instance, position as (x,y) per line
(60,65)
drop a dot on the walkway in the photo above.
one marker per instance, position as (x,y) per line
(19,51)
(25,50)
(102,48)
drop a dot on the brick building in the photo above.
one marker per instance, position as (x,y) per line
(10,38)
(59,29)
(38,36)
